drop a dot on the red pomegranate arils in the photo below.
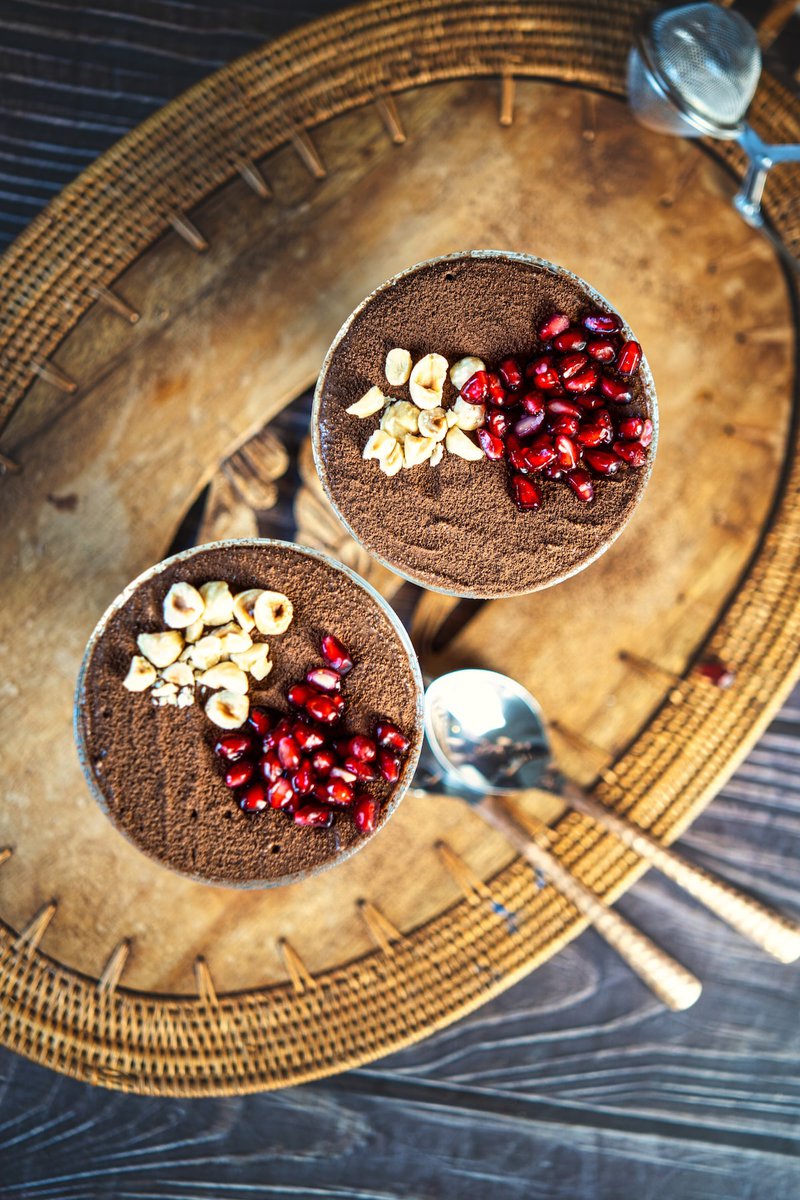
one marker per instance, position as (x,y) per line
(527,495)
(526,426)
(336,655)
(476,389)
(585,381)
(593,435)
(602,323)
(289,753)
(233,746)
(270,766)
(629,358)
(389,766)
(547,381)
(324,709)
(303,779)
(570,341)
(511,374)
(492,445)
(300,693)
(362,748)
(631,428)
(540,452)
(581,483)
(604,462)
(566,425)
(602,350)
(533,403)
(390,737)
(260,720)
(338,792)
(538,366)
(325,679)
(553,471)
(567,452)
(555,324)
(571,365)
(314,815)
(306,736)
(343,772)
(239,773)
(590,401)
(496,393)
(717,672)
(360,770)
(617,392)
(564,408)
(281,793)
(323,762)
(602,417)
(647,433)
(633,453)
(499,423)
(365,813)
(253,798)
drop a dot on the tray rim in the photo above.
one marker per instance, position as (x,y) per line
(50,1012)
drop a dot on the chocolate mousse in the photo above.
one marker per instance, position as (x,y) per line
(217,784)
(566,438)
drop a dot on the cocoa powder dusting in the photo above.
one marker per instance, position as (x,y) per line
(155,766)
(455,526)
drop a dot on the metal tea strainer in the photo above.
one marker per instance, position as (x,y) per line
(693,72)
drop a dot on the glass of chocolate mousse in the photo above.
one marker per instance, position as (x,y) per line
(485,424)
(249,713)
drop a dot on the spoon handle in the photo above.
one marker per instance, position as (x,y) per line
(770,930)
(671,982)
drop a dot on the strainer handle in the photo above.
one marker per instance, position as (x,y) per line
(763,156)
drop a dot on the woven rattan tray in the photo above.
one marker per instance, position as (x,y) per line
(172,302)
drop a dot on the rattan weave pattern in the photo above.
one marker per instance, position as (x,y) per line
(87,236)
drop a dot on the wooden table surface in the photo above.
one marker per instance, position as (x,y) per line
(575,1083)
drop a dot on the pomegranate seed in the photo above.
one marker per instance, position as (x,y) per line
(581,483)
(476,389)
(390,737)
(336,655)
(629,358)
(528,425)
(233,746)
(631,428)
(362,748)
(324,709)
(338,792)
(365,814)
(554,325)
(548,380)
(633,453)
(513,443)
(590,400)
(567,425)
(510,373)
(533,403)
(303,779)
(360,770)
(571,365)
(602,417)
(564,408)
(527,495)
(389,765)
(270,766)
(585,381)
(325,679)
(647,434)
(617,392)
(716,672)
(602,350)
(604,462)
(323,762)
(260,720)
(594,435)
(570,341)
(239,773)
(491,445)
(282,729)
(300,693)
(340,772)
(495,392)
(602,323)
(498,423)
(553,471)
(307,737)
(289,753)
(253,798)
(314,815)
(540,452)
(567,452)
(281,794)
